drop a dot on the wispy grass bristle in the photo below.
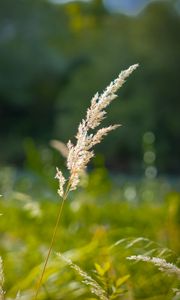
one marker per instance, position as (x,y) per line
(1,280)
(95,288)
(161,263)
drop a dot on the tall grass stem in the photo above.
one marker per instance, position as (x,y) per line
(52,241)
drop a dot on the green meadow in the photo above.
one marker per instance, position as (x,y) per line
(108,219)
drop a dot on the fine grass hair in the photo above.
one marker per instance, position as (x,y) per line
(1,280)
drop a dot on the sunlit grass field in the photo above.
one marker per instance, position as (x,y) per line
(106,220)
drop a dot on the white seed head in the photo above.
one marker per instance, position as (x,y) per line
(96,113)
(62,181)
(80,154)
(97,138)
(162,264)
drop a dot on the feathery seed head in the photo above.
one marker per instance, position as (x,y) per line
(97,138)
(62,181)
(79,154)
(161,263)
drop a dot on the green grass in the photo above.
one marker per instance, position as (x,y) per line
(94,219)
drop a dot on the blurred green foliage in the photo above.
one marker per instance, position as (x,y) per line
(99,228)
(55,57)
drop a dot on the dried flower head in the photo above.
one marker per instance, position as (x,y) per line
(80,154)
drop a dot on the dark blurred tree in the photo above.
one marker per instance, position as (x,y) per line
(33,71)
(158,46)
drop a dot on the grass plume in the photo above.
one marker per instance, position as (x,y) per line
(161,263)
(80,154)
(95,288)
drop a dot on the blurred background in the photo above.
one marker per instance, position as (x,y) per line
(55,55)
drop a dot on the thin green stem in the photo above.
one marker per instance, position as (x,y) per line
(52,241)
